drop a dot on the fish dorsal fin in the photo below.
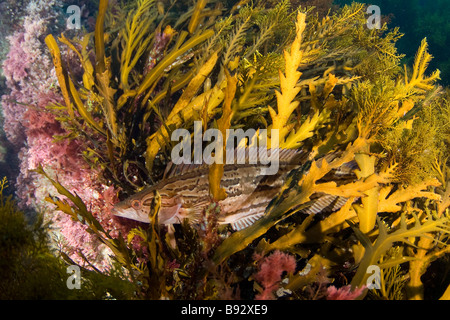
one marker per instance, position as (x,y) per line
(252,154)
(241,156)
(292,156)
(173,170)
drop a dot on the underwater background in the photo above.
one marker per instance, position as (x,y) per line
(419,19)
(92,93)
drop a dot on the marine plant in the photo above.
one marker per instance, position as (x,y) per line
(418,19)
(33,269)
(372,190)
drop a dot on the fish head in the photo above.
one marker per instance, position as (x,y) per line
(136,207)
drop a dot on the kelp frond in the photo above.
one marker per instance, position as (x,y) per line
(237,37)
(385,240)
(269,22)
(195,18)
(392,277)
(70,94)
(288,82)
(79,212)
(136,37)
(186,107)
(418,83)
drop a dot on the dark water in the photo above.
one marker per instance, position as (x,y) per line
(418,19)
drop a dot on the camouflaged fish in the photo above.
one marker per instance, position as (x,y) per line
(184,192)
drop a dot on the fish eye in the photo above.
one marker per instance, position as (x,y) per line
(136,204)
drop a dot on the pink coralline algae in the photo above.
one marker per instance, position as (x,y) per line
(29,73)
(271,269)
(32,127)
(15,71)
(344,293)
(15,67)
(30,78)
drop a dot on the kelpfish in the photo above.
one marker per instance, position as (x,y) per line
(184,192)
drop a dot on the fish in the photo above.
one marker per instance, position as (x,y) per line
(184,192)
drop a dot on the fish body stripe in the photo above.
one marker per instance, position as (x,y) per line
(184,192)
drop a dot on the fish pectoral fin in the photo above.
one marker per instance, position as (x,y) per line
(170,215)
(325,203)
(194,214)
